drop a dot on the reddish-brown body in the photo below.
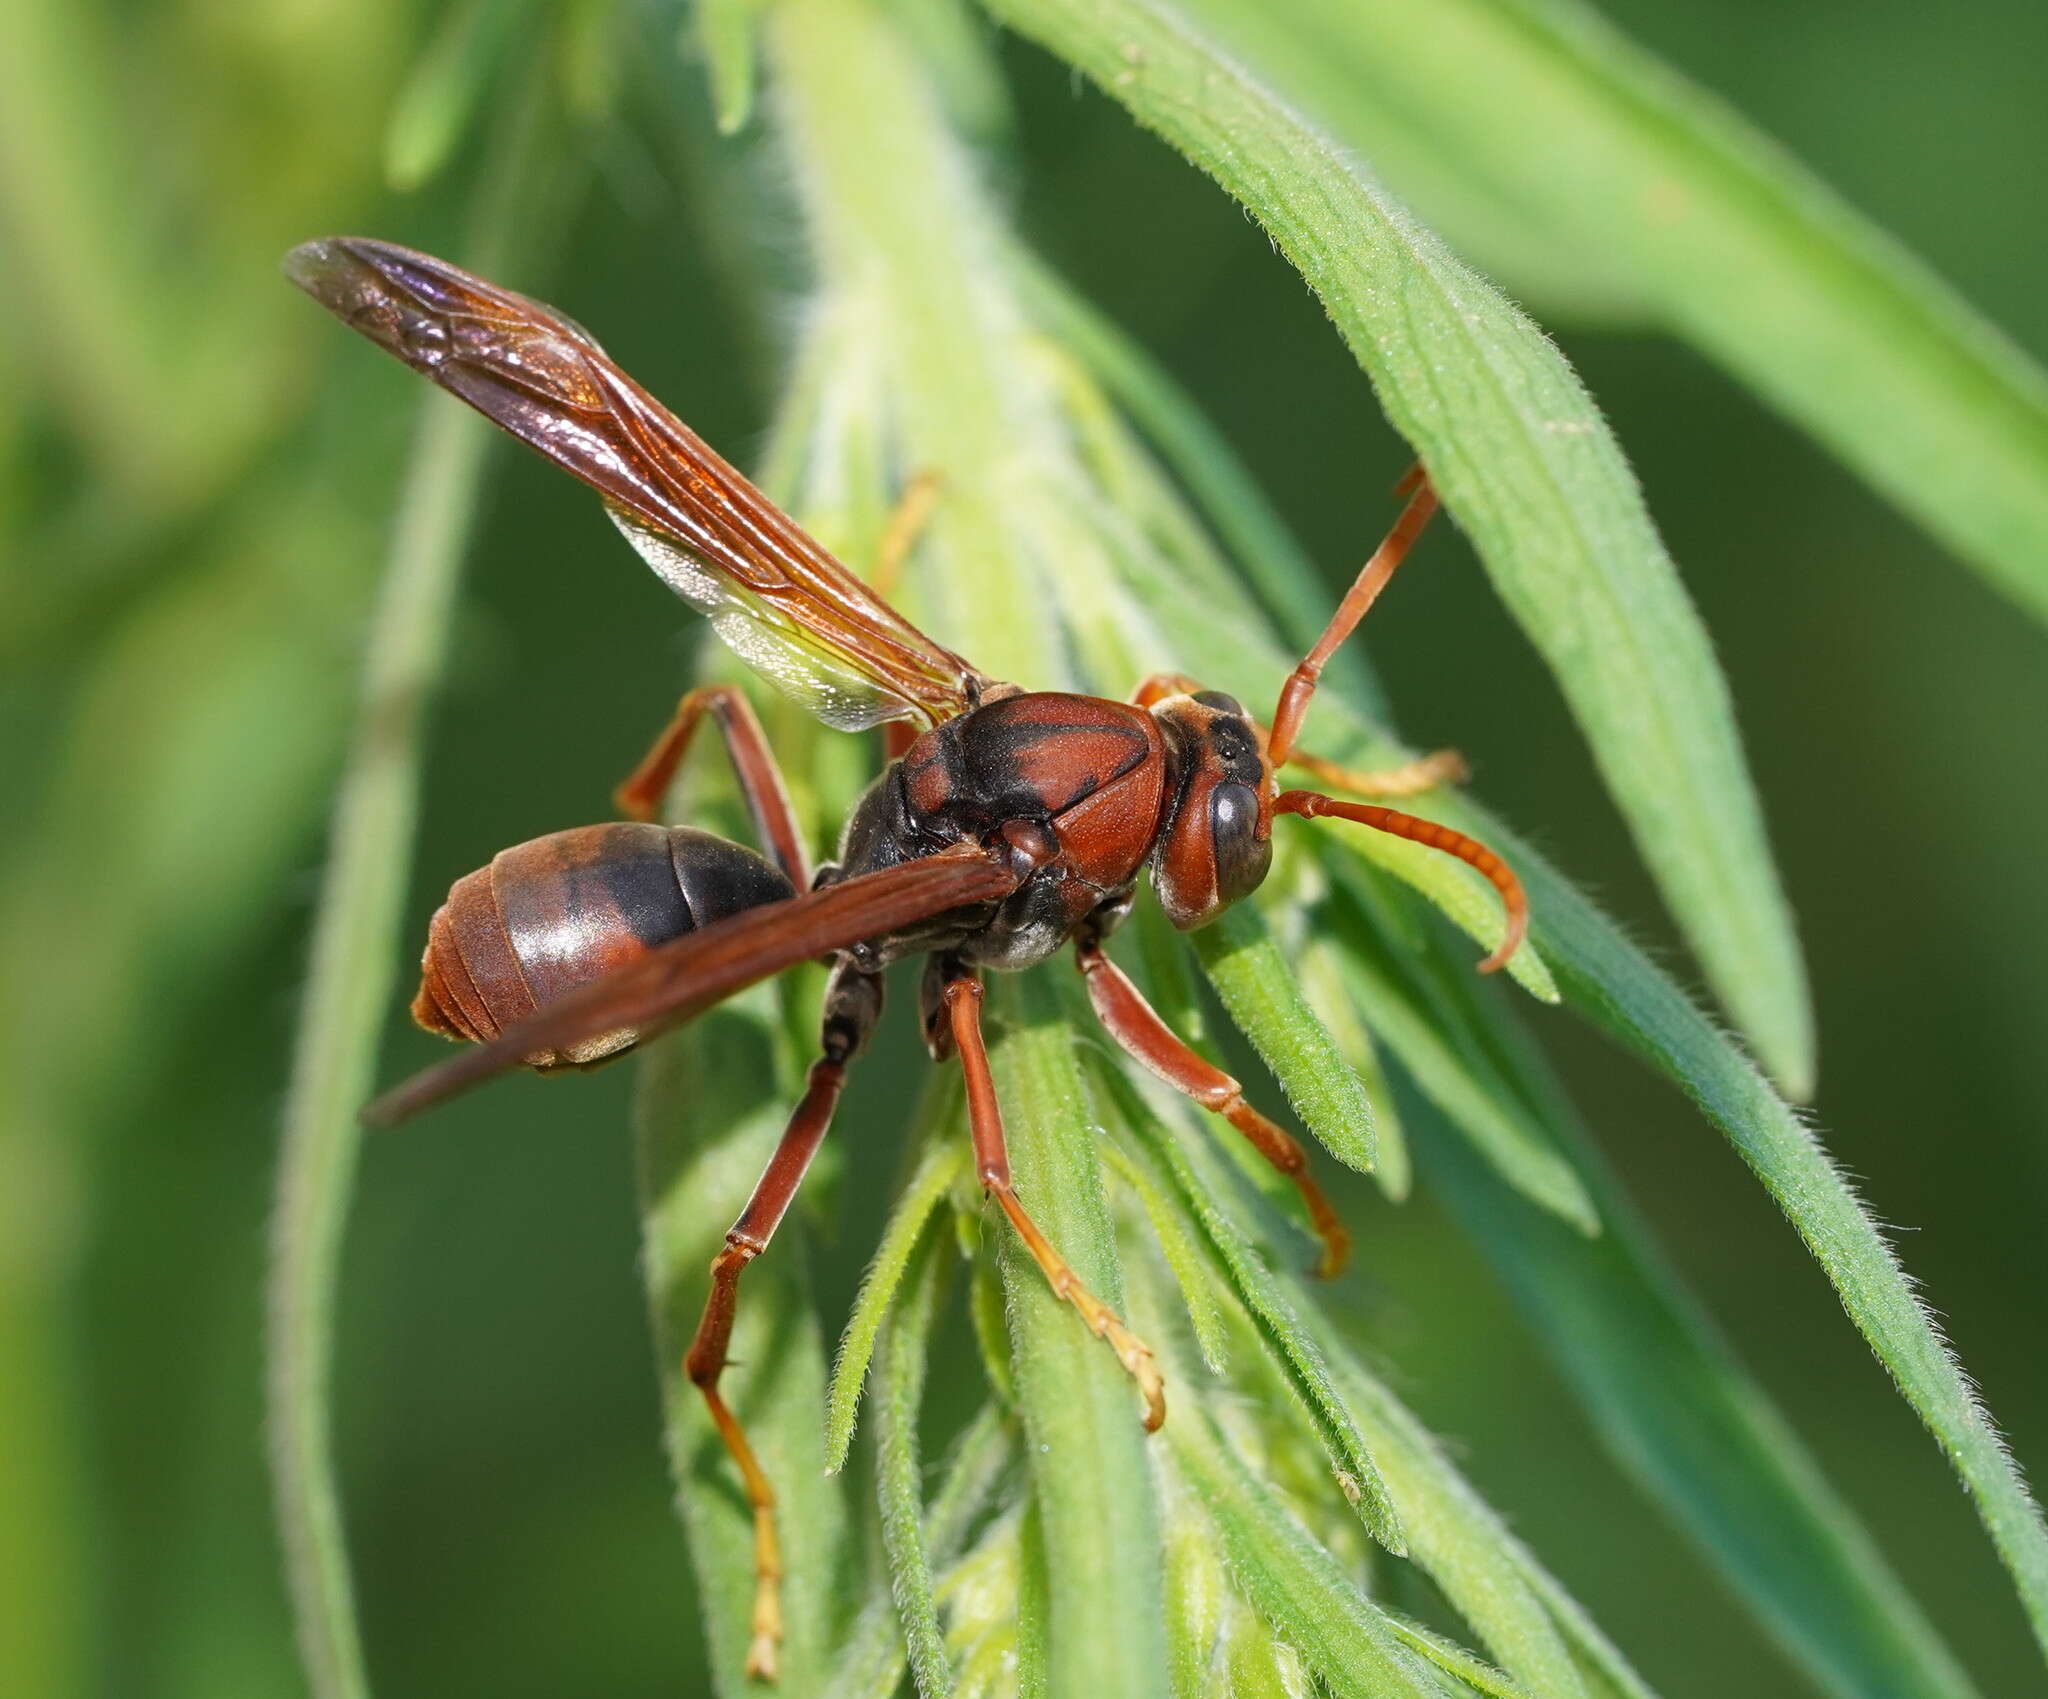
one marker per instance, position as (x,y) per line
(1016,824)
(552,914)
(1092,776)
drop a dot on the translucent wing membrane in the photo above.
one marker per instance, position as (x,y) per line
(783,604)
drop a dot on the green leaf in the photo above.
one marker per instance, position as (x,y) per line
(1454,1660)
(1525,463)
(1319,968)
(1190,1158)
(1474,1563)
(1263,996)
(348,997)
(726,31)
(943,1162)
(1141,1172)
(1460,893)
(1294,1584)
(709,1110)
(899,1392)
(1704,224)
(1676,1407)
(355,949)
(1196,1591)
(871,1664)
(441,96)
(1391,982)
(1091,1479)
(1682,1415)
(1256,537)
(1496,1584)
(1605,975)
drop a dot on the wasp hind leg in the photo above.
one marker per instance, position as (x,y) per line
(853,1003)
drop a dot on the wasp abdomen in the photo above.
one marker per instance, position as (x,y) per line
(558,912)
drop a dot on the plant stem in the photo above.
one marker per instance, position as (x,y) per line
(898,226)
(348,997)
(355,952)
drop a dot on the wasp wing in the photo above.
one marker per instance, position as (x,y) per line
(691,974)
(783,604)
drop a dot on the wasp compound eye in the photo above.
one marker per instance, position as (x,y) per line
(1242,857)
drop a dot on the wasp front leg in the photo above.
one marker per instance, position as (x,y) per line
(1411,778)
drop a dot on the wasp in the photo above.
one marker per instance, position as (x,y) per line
(1006,824)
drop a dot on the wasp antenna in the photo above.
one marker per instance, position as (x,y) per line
(1312,805)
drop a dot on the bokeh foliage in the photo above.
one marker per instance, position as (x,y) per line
(194,514)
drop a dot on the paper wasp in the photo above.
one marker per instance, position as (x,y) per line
(1007,824)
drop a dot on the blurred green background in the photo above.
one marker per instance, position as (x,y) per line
(196,470)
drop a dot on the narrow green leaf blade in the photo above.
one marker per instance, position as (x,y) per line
(1468,900)
(1091,1477)
(870,1663)
(1177,1245)
(1192,1162)
(1523,460)
(1264,998)
(1295,1584)
(1322,983)
(1685,1418)
(1706,223)
(1462,1542)
(347,1000)
(1397,989)
(937,1169)
(899,1480)
(1475,1673)
(1605,975)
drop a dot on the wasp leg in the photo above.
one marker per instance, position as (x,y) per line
(907,522)
(1411,778)
(853,1002)
(1158,686)
(1300,687)
(753,762)
(900,537)
(962,1003)
(1153,1045)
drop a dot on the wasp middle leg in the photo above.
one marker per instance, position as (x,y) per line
(955,1023)
(753,763)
